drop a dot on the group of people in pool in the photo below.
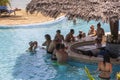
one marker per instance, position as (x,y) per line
(57,48)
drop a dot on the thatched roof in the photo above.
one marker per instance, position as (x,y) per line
(85,9)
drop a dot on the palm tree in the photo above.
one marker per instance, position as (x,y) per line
(5,3)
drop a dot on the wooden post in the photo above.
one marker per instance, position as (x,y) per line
(114,27)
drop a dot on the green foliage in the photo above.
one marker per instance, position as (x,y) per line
(5,2)
(88,73)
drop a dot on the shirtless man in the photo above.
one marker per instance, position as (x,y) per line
(100,33)
(59,37)
(61,54)
(69,36)
(80,35)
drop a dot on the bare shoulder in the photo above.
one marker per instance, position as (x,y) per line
(109,63)
(100,62)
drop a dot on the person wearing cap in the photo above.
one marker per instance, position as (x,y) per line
(92,31)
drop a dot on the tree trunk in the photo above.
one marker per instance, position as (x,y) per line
(114,27)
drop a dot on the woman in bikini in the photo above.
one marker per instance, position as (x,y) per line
(105,67)
(92,31)
(47,42)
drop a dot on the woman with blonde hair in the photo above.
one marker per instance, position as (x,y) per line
(92,31)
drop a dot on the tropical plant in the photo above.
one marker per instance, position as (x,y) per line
(88,74)
(5,3)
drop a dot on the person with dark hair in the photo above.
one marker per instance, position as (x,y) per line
(69,36)
(33,46)
(58,37)
(61,54)
(57,47)
(100,33)
(52,46)
(80,35)
(105,67)
(47,42)
(83,35)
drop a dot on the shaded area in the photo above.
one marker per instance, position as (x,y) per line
(84,9)
(105,10)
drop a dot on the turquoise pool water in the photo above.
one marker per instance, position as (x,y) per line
(17,64)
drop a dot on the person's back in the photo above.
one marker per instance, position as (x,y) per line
(105,67)
(105,70)
(61,54)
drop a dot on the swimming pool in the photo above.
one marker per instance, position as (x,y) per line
(17,64)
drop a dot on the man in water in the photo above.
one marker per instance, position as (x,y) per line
(69,36)
(100,33)
(59,37)
(61,54)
